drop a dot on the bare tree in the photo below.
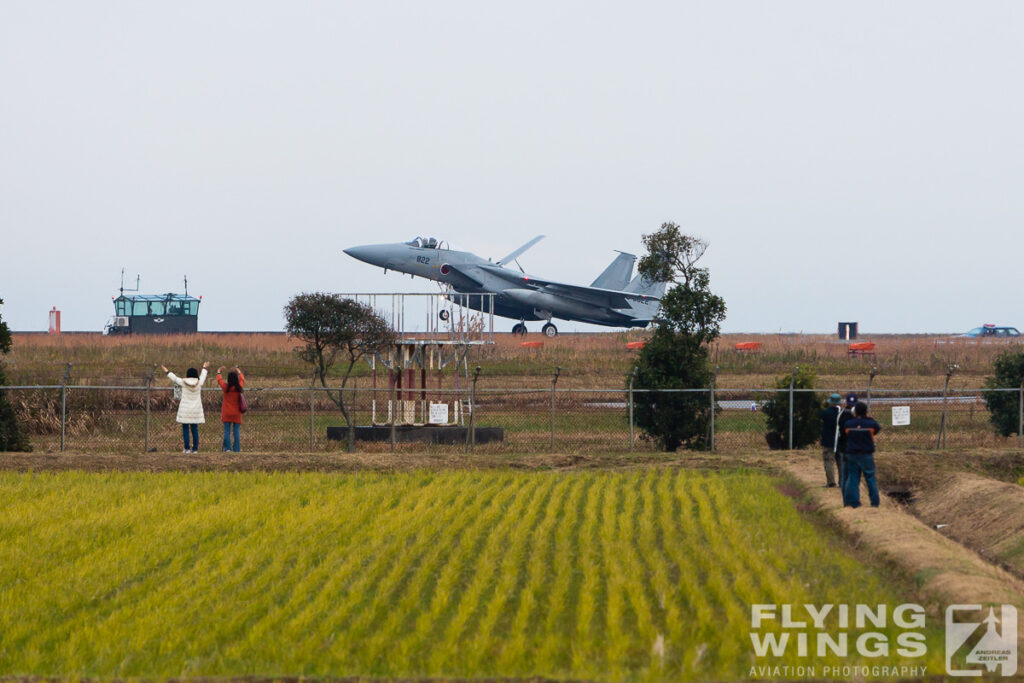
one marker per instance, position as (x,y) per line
(336,330)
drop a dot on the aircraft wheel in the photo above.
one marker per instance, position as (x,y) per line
(519,329)
(443,315)
(550,330)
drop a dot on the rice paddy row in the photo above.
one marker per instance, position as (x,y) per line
(647,575)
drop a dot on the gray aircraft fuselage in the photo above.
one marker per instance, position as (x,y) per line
(518,296)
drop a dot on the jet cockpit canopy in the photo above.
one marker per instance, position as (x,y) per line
(427,243)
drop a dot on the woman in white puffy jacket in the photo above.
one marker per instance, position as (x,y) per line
(190,407)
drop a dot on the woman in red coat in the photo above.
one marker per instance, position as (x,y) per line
(230,414)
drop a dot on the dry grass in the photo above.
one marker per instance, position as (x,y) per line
(979,512)
(587,360)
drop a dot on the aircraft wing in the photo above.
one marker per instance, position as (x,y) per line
(519,252)
(592,295)
(463,280)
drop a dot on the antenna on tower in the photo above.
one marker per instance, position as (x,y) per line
(137,279)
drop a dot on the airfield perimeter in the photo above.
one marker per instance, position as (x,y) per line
(603,566)
(513,393)
(599,360)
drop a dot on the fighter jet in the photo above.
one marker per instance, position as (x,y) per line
(615,298)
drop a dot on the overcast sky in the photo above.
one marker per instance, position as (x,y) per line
(845,160)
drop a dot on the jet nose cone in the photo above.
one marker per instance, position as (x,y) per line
(370,253)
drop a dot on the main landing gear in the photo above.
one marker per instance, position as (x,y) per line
(549,330)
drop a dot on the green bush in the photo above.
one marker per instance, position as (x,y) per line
(1004,406)
(806,406)
(673,360)
(676,356)
(12,436)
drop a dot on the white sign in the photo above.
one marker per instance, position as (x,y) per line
(900,415)
(438,413)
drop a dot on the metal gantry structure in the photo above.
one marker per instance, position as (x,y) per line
(414,368)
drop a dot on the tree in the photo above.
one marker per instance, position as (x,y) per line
(806,411)
(1004,406)
(336,329)
(12,436)
(676,356)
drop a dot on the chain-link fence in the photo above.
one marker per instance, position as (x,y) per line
(136,419)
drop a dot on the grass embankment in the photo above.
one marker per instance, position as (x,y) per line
(646,575)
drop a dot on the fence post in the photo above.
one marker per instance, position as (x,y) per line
(554,381)
(393,408)
(149,386)
(792,379)
(871,377)
(312,382)
(471,433)
(714,380)
(632,376)
(940,442)
(64,404)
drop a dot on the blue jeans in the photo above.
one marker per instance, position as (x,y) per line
(232,429)
(195,436)
(857,464)
(844,471)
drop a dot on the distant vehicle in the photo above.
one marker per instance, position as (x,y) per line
(616,298)
(992,332)
(153,313)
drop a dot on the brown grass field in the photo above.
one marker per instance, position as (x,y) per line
(513,391)
(587,360)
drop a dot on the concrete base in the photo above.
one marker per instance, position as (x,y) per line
(439,434)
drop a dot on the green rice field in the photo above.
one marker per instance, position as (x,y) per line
(637,575)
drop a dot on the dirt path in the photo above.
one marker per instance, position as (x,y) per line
(345,462)
(946,571)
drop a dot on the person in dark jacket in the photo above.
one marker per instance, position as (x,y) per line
(829,432)
(860,456)
(844,416)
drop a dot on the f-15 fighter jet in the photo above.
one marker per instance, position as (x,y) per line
(615,298)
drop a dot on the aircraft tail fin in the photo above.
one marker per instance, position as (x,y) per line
(616,275)
(639,285)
